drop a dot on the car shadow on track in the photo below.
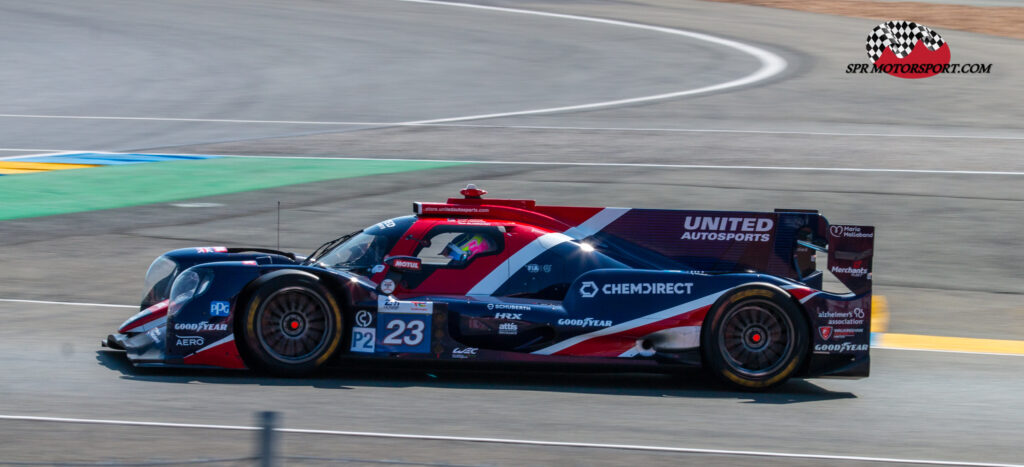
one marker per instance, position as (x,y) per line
(689,383)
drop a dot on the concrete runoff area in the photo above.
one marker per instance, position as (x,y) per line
(946,263)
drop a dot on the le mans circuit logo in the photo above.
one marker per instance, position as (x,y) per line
(906,49)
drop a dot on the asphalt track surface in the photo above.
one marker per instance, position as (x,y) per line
(948,250)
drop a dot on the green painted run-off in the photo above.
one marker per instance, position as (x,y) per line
(108,187)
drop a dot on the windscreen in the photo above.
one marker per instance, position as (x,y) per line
(158,281)
(368,248)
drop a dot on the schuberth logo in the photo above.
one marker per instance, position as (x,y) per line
(906,49)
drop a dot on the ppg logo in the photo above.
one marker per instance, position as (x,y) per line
(220,308)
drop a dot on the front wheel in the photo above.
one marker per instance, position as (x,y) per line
(291,326)
(754,338)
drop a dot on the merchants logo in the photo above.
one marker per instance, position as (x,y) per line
(910,50)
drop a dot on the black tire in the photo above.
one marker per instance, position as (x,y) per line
(290,326)
(754,338)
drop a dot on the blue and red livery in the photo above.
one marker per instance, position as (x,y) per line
(507,280)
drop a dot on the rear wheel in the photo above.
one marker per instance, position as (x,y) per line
(291,326)
(755,338)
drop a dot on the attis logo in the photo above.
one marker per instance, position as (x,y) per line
(825,332)
(906,49)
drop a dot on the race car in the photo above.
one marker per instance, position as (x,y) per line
(508,280)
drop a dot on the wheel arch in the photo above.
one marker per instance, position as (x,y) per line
(244,297)
(737,293)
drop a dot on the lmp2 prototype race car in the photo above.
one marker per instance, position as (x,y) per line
(506,280)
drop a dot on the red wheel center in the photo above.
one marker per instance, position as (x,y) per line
(756,338)
(294,324)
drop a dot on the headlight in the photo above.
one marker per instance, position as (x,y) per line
(189,284)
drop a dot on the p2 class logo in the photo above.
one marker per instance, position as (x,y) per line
(906,49)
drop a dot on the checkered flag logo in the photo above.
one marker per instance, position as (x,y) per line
(901,37)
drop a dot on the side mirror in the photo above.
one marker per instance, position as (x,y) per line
(404,263)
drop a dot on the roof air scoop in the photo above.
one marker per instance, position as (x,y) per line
(472,192)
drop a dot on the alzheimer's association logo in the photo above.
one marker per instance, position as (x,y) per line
(906,49)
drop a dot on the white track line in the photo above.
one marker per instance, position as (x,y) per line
(719,130)
(588,164)
(525,127)
(662,166)
(771,65)
(47,302)
(968,352)
(632,447)
(40,153)
(198,120)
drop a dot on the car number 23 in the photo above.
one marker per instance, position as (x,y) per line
(402,332)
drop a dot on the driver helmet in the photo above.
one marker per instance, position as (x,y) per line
(468,245)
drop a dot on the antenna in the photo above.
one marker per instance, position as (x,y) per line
(279,225)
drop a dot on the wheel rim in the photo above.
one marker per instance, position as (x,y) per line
(757,338)
(294,325)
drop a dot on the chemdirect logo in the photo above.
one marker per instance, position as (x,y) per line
(739,229)
(589,289)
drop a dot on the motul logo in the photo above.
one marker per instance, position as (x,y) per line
(406,264)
